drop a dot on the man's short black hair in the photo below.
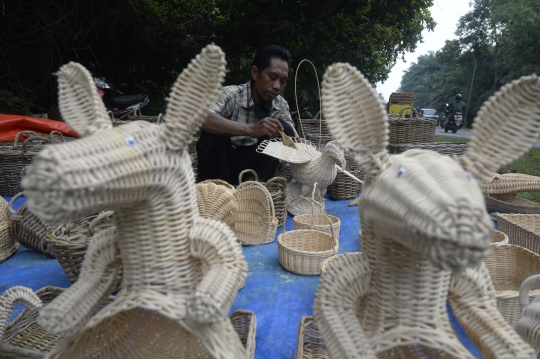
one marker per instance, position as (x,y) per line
(263,56)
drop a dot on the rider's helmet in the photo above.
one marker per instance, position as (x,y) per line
(459,97)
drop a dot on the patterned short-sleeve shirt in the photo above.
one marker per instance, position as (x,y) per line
(235,103)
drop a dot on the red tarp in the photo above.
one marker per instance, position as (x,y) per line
(10,125)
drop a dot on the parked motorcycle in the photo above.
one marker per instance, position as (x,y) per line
(454,122)
(120,103)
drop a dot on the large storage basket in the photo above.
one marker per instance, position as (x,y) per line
(302,251)
(510,203)
(16,156)
(444,148)
(277,186)
(68,242)
(522,229)
(310,344)
(410,130)
(509,265)
(344,187)
(283,170)
(28,229)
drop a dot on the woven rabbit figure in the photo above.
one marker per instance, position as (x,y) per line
(425,231)
(180,272)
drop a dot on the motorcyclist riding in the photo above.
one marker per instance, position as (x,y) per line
(457,106)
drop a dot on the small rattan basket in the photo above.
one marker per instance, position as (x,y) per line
(283,170)
(302,251)
(28,229)
(410,130)
(277,186)
(509,265)
(344,187)
(310,344)
(510,203)
(68,242)
(522,229)
(319,222)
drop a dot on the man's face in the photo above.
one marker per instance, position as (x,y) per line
(270,81)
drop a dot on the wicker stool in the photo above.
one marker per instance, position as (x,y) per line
(509,265)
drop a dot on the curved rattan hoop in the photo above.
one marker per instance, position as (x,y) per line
(528,327)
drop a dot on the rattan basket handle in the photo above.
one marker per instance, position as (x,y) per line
(39,139)
(100,217)
(11,298)
(414,111)
(14,215)
(29,133)
(525,288)
(55,134)
(334,240)
(247,171)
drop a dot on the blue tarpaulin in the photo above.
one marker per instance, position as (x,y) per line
(278,298)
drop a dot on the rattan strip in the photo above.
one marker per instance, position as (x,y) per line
(511,183)
(310,344)
(444,148)
(509,266)
(510,203)
(8,243)
(522,229)
(499,237)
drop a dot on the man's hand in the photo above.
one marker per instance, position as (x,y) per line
(267,126)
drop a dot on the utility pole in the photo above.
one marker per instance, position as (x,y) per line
(470,89)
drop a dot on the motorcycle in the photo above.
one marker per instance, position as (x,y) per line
(445,115)
(454,122)
(119,103)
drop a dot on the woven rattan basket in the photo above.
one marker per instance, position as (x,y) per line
(68,242)
(521,229)
(319,222)
(28,229)
(302,251)
(499,237)
(245,324)
(277,186)
(509,265)
(410,130)
(344,187)
(510,203)
(8,244)
(16,156)
(310,344)
(282,170)
(444,148)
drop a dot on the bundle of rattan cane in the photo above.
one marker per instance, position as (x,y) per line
(277,186)
(69,242)
(509,265)
(8,244)
(501,193)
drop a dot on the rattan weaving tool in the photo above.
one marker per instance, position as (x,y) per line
(181,272)
(421,243)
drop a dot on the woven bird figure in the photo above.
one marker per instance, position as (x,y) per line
(180,272)
(425,231)
(308,166)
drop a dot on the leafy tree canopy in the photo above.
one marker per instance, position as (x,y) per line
(147,42)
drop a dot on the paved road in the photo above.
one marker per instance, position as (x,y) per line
(464,133)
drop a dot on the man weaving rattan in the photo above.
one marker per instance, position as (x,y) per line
(242,116)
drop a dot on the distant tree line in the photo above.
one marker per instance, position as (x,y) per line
(502,37)
(146,43)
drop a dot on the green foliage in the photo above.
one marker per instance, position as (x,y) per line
(147,42)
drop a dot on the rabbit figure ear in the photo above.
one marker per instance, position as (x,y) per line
(191,96)
(506,127)
(79,102)
(356,117)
